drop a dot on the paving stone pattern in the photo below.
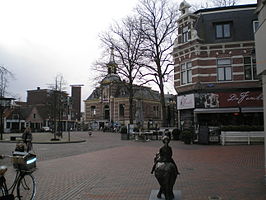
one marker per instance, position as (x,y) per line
(107,168)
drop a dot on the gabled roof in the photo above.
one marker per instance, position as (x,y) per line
(225,8)
(140,92)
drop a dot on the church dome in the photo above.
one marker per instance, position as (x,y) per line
(110,78)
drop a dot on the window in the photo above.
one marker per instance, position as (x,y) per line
(34,115)
(93,111)
(185,34)
(250,68)
(255,26)
(15,116)
(224,70)
(222,30)
(156,110)
(121,110)
(186,73)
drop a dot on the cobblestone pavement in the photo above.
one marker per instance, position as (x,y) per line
(107,168)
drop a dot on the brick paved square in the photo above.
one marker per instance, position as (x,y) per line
(107,168)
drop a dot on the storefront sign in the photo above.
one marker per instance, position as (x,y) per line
(185,102)
(246,98)
(229,99)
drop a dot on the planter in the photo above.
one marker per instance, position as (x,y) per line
(187,140)
(124,136)
(187,136)
(176,134)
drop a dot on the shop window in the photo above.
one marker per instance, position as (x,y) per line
(186,73)
(222,30)
(121,110)
(224,70)
(250,68)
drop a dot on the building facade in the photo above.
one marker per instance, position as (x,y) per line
(260,38)
(215,67)
(108,104)
(44,107)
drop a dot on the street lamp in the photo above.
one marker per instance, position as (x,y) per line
(4,103)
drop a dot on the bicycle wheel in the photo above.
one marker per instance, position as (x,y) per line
(26,187)
(2,192)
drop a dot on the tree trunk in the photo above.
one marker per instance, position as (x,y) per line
(162,100)
(131,117)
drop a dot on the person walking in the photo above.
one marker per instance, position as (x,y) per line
(27,138)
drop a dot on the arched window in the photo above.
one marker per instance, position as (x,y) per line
(93,111)
(121,110)
(106,112)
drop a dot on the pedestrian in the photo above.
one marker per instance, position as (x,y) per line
(27,138)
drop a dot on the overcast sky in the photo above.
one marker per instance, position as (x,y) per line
(42,38)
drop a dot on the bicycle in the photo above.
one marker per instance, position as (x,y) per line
(24,181)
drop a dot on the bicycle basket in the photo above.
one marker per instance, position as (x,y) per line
(24,161)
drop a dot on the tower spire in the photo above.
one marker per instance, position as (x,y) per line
(112,55)
(112,65)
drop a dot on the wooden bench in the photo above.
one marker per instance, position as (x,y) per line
(241,137)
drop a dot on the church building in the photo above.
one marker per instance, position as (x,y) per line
(108,104)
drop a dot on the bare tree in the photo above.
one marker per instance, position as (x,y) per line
(57,92)
(127,40)
(221,3)
(213,3)
(5,76)
(159,29)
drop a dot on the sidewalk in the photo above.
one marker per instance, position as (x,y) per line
(45,138)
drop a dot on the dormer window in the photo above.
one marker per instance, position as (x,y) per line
(185,34)
(222,30)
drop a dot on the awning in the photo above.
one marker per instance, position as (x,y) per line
(228,110)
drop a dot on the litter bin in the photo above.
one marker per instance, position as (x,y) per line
(203,135)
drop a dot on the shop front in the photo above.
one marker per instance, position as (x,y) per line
(229,108)
(211,111)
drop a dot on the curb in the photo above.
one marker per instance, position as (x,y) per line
(47,142)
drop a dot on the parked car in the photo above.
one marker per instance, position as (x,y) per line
(46,129)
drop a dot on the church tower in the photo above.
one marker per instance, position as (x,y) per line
(112,66)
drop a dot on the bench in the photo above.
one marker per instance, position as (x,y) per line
(241,137)
(14,138)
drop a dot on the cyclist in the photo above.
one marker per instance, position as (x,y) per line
(27,138)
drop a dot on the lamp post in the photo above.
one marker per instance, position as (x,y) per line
(4,103)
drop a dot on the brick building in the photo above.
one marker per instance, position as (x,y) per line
(44,107)
(261,57)
(108,104)
(215,67)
